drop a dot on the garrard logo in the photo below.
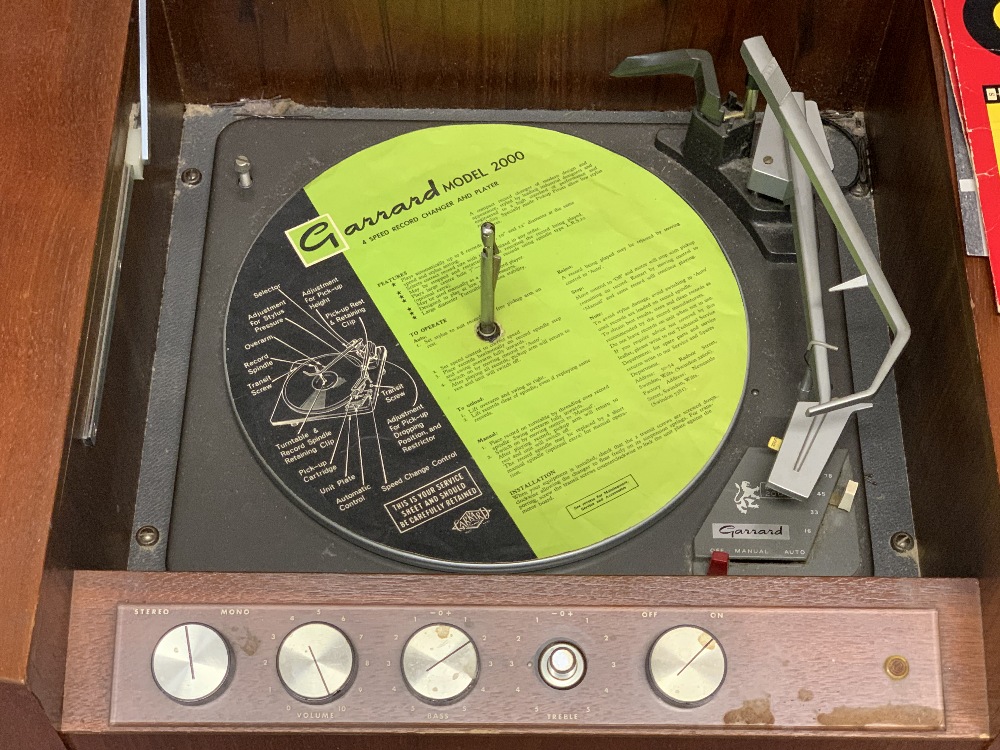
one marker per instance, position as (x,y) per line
(472,519)
(749,531)
(316,240)
(746,497)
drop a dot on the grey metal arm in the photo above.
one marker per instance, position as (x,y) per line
(807,252)
(764,68)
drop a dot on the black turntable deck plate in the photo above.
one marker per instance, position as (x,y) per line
(224,492)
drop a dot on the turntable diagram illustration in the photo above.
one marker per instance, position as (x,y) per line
(314,389)
(342,386)
(333,381)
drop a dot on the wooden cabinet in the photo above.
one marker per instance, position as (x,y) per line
(69,68)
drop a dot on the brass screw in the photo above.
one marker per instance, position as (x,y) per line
(147,536)
(897,667)
(769,160)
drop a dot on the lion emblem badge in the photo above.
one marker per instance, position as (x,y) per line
(746,497)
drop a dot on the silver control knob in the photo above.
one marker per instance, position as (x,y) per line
(192,663)
(562,665)
(440,664)
(316,662)
(686,666)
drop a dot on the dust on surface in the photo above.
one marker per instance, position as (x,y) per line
(443,631)
(248,642)
(754,711)
(889,715)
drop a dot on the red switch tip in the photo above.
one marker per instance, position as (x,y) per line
(719,564)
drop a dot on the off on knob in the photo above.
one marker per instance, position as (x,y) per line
(686,666)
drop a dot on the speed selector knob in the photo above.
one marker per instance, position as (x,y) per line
(686,666)
(316,662)
(561,665)
(192,663)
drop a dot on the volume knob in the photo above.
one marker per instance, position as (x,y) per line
(192,663)
(316,662)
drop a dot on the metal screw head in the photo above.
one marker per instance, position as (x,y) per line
(897,667)
(147,536)
(901,541)
(191,176)
(243,170)
(769,160)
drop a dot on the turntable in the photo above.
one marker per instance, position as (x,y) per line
(417,370)
(573,342)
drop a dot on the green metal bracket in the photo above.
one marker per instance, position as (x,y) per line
(696,63)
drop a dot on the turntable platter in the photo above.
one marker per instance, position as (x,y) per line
(359,381)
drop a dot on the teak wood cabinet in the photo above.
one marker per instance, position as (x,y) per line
(69,73)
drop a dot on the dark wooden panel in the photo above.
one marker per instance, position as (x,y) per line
(951,460)
(260,741)
(23,723)
(93,519)
(96,595)
(951,422)
(93,515)
(988,333)
(510,53)
(62,67)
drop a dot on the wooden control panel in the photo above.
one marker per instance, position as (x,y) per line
(888,660)
(880,669)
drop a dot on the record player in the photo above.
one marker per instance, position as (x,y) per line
(492,341)
(416,370)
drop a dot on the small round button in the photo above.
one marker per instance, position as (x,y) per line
(561,665)
(562,661)
(686,666)
(316,662)
(192,663)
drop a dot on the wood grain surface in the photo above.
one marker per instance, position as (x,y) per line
(23,722)
(57,125)
(96,596)
(941,392)
(62,68)
(92,516)
(988,335)
(510,54)
(949,380)
(484,741)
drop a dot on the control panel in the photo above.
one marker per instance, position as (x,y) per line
(614,666)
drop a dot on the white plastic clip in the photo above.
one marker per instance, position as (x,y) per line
(857,283)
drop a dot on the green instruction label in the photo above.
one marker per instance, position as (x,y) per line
(624,349)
